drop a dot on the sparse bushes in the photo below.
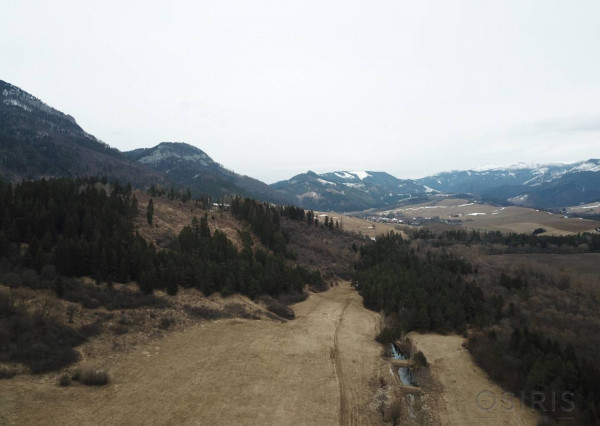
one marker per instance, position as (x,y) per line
(64,379)
(12,280)
(7,373)
(291,298)
(120,329)
(35,339)
(394,411)
(91,330)
(203,312)
(238,310)
(91,377)
(92,297)
(282,310)
(387,336)
(420,360)
(166,323)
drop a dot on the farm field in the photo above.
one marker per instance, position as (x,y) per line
(358,225)
(494,218)
(591,208)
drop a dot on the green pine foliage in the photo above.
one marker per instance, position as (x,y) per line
(431,293)
(527,363)
(84,227)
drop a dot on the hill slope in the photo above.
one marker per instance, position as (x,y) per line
(39,141)
(542,186)
(348,191)
(191,167)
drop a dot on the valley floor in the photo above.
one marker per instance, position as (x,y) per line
(323,368)
(317,369)
(467,396)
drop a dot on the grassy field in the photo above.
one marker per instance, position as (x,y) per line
(494,218)
(591,208)
(359,226)
(461,403)
(318,369)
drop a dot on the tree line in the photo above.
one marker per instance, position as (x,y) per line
(589,242)
(427,293)
(438,292)
(83,227)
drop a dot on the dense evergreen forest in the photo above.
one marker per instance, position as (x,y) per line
(586,242)
(436,291)
(54,230)
(428,293)
(85,227)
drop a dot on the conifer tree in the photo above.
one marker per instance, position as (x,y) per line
(150,212)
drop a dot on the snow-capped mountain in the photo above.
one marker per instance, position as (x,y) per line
(541,185)
(191,167)
(348,190)
(479,180)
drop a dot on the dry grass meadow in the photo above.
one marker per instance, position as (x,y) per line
(468,397)
(494,218)
(248,366)
(317,369)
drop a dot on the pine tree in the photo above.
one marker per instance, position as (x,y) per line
(150,212)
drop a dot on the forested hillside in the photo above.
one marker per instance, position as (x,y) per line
(421,285)
(56,229)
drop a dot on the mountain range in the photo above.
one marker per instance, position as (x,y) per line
(38,141)
(189,167)
(348,190)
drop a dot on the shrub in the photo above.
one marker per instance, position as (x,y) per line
(238,310)
(30,278)
(203,312)
(166,323)
(35,340)
(420,359)
(7,373)
(12,280)
(120,329)
(91,377)
(91,330)
(282,310)
(387,336)
(64,379)
(291,298)
(92,297)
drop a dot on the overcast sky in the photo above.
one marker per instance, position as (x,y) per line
(274,88)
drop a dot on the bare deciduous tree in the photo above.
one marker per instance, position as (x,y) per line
(71,311)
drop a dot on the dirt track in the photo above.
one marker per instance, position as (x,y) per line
(313,370)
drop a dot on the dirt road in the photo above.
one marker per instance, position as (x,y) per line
(468,397)
(313,370)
